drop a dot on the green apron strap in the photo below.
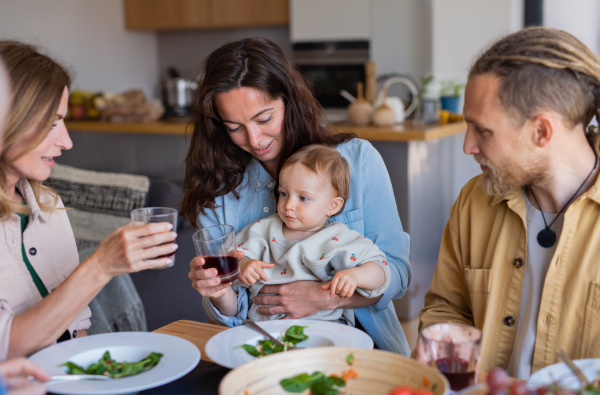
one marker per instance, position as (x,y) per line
(36,279)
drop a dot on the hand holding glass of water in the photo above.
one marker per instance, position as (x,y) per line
(157,214)
(216,244)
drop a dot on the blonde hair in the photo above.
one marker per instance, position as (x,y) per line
(37,84)
(4,99)
(545,69)
(324,160)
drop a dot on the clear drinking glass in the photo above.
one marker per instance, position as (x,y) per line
(157,214)
(216,244)
(454,350)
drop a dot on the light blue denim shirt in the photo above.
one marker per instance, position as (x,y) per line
(370,210)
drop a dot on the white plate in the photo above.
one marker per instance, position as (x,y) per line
(179,357)
(221,348)
(560,372)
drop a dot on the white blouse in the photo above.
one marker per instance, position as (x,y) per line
(51,250)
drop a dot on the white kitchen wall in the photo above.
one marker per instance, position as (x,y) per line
(88,36)
(330,20)
(401,36)
(461,29)
(581,18)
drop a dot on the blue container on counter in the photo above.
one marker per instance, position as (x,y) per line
(450,103)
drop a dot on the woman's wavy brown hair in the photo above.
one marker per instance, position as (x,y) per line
(214,165)
(545,69)
(37,84)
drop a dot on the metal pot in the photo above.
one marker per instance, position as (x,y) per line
(177,94)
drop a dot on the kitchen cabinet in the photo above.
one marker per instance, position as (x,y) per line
(164,15)
(330,20)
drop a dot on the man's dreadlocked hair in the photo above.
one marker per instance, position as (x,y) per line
(545,69)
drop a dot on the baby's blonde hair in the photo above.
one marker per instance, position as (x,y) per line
(327,161)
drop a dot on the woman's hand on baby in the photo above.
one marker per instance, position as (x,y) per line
(344,283)
(135,247)
(251,270)
(205,281)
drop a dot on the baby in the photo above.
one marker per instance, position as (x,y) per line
(300,242)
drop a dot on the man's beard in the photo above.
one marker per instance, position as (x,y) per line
(510,175)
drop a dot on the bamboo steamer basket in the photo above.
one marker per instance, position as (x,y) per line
(379,372)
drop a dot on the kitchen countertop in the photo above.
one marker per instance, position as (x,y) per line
(401,132)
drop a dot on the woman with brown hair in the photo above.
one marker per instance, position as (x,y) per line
(253,110)
(44,291)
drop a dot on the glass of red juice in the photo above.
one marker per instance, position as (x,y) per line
(454,350)
(216,244)
(157,214)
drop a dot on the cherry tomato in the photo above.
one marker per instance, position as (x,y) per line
(402,391)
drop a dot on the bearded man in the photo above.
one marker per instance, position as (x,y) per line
(520,255)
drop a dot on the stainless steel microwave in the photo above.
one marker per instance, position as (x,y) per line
(331,67)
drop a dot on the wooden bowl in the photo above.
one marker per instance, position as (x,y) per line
(379,372)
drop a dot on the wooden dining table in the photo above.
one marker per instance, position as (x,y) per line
(204,379)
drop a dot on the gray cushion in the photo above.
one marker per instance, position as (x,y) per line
(99,202)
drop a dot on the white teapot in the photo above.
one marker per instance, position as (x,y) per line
(394,102)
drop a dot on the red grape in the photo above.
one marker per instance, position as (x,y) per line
(543,390)
(519,388)
(497,379)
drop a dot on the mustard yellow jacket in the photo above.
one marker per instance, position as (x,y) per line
(480,270)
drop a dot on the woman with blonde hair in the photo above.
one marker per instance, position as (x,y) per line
(44,290)
(13,372)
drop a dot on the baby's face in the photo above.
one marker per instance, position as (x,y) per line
(305,199)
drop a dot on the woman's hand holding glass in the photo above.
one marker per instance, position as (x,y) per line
(135,247)
(205,281)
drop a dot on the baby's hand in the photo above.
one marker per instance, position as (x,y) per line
(251,270)
(343,283)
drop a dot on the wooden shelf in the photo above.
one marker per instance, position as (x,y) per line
(160,127)
(402,132)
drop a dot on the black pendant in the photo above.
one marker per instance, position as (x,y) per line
(546,238)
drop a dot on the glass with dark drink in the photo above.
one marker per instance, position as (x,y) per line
(157,214)
(216,244)
(454,350)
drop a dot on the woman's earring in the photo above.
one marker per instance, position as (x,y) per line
(328,215)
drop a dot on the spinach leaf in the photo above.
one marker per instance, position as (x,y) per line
(74,368)
(350,359)
(301,382)
(250,349)
(294,335)
(328,386)
(109,367)
(318,382)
